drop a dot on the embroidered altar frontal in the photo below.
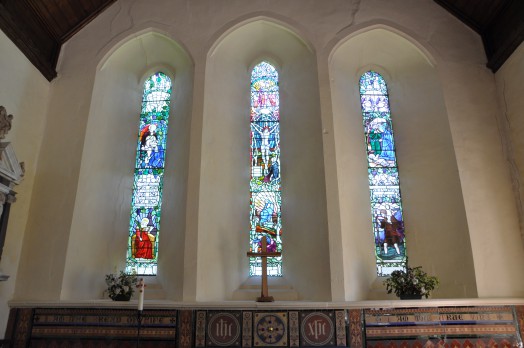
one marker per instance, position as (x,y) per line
(453,327)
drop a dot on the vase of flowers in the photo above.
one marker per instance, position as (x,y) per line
(120,287)
(413,283)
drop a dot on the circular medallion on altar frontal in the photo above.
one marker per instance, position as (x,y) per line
(317,329)
(270,330)
(224,330)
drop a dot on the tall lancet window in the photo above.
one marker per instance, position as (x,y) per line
(144,226)
(265,168)
(386,205)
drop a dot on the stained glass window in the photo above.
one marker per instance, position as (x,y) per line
(144,225)
(386,205)
(265,168)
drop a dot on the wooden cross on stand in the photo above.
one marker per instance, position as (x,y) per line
(264,297)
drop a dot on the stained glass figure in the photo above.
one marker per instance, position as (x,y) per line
(384,187)
(265,168)
(144,225)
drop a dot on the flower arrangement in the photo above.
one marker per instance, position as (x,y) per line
(411,283)
(120,287)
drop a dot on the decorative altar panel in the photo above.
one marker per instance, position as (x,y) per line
(453,327)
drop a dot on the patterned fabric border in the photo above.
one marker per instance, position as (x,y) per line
(441,318)
(355,328)
(81,325)
(439,310)
(91,343)
(24,323)
(454,327)
(446,343)
(340,322)
(200,329)
(184,340)
(247,329)
(11,324)
(100,332)
(293,329)
(439,330)
(520,319)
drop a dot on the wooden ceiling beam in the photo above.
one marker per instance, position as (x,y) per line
(501,29)
(40,28)
(94,13)
(504,34)
(25,32)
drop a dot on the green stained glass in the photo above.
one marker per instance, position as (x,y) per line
(144,226)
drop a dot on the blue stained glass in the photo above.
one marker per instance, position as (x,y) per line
(265,202)
(144,226)
(384,186)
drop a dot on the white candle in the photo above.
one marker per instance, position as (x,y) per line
(142,288)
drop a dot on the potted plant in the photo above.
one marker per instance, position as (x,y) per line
(413,283)
(120,287)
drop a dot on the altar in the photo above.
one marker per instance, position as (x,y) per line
(373,324)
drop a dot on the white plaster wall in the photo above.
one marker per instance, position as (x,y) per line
(510,90)
(43,259)
(24,93)
(224,209)
(108,160)
(431,195)
(485,177)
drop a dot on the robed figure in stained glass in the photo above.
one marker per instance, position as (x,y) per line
(380,143)
(393,228)
(153,156)
(143,240)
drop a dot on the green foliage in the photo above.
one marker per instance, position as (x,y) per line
(413,281)
(120,285)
